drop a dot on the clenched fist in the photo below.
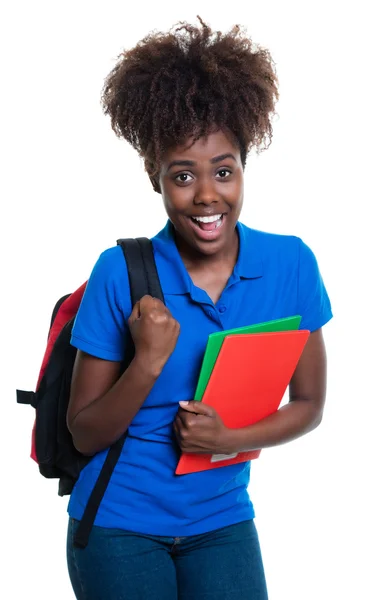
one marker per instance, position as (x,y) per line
(154,331)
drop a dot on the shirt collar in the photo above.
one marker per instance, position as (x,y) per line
(174,277)
(249,263)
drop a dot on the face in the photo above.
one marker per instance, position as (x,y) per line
(202,190)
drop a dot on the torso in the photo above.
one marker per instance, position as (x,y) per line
(277,277)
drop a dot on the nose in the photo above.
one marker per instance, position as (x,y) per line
(206,193)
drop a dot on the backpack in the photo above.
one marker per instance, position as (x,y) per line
(52,444)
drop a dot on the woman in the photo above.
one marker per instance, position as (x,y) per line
(193,104)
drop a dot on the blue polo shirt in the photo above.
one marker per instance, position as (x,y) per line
(275,276)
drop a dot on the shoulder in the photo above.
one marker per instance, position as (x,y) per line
(267,239)
(110,265)
(278,253)
(111,260)
(100,324)
(291,271)
(271,245)
(109,279)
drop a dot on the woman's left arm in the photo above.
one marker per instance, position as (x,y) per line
(205,432)
(303,412)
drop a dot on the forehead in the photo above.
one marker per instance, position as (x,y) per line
(204,149)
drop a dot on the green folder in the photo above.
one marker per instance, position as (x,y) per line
(215,341)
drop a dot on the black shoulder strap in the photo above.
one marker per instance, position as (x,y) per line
(143,279)
(142,270)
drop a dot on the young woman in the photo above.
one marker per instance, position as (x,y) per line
(193,104)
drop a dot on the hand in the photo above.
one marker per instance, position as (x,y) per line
(154,331)
(199,428)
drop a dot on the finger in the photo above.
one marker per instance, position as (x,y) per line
(184,419)
(135,314)
(180,433)
(146,304)
(159,304)
(198,408)
(177,422)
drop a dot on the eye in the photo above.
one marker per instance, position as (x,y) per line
(224,173)
(183,178)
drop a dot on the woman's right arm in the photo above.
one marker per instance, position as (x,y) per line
(103,404)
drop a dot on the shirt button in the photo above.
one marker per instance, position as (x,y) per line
(222,308)
(210,313)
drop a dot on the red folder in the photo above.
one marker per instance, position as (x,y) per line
(247,384)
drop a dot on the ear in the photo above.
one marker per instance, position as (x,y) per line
(155,184)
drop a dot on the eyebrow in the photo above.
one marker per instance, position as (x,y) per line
(191,163)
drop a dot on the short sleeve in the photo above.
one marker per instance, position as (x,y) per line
(100,327)
(313,301)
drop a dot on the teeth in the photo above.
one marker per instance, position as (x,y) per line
(208,219)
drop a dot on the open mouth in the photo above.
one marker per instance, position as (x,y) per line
(208,229)
(208,223)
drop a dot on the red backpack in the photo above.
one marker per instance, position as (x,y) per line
(52,444)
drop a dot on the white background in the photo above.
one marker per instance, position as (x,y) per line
(70,189)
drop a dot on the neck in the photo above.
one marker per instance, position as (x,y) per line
(197,261)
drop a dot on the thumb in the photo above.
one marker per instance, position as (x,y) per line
(198,408)
(135,314)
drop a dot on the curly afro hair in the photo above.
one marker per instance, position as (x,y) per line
(187,83)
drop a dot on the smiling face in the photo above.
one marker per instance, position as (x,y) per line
(202,188)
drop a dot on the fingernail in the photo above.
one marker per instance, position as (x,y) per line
(184,402)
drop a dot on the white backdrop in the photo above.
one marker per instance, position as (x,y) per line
(70,189)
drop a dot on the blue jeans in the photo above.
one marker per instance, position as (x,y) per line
(225,564)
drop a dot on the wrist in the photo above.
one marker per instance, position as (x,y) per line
(230,443)
(146,367)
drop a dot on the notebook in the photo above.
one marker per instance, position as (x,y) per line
(216,340)
(248,382)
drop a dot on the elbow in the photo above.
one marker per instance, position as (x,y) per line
(81,444)
(317,419)
(82,448)
(310,413)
